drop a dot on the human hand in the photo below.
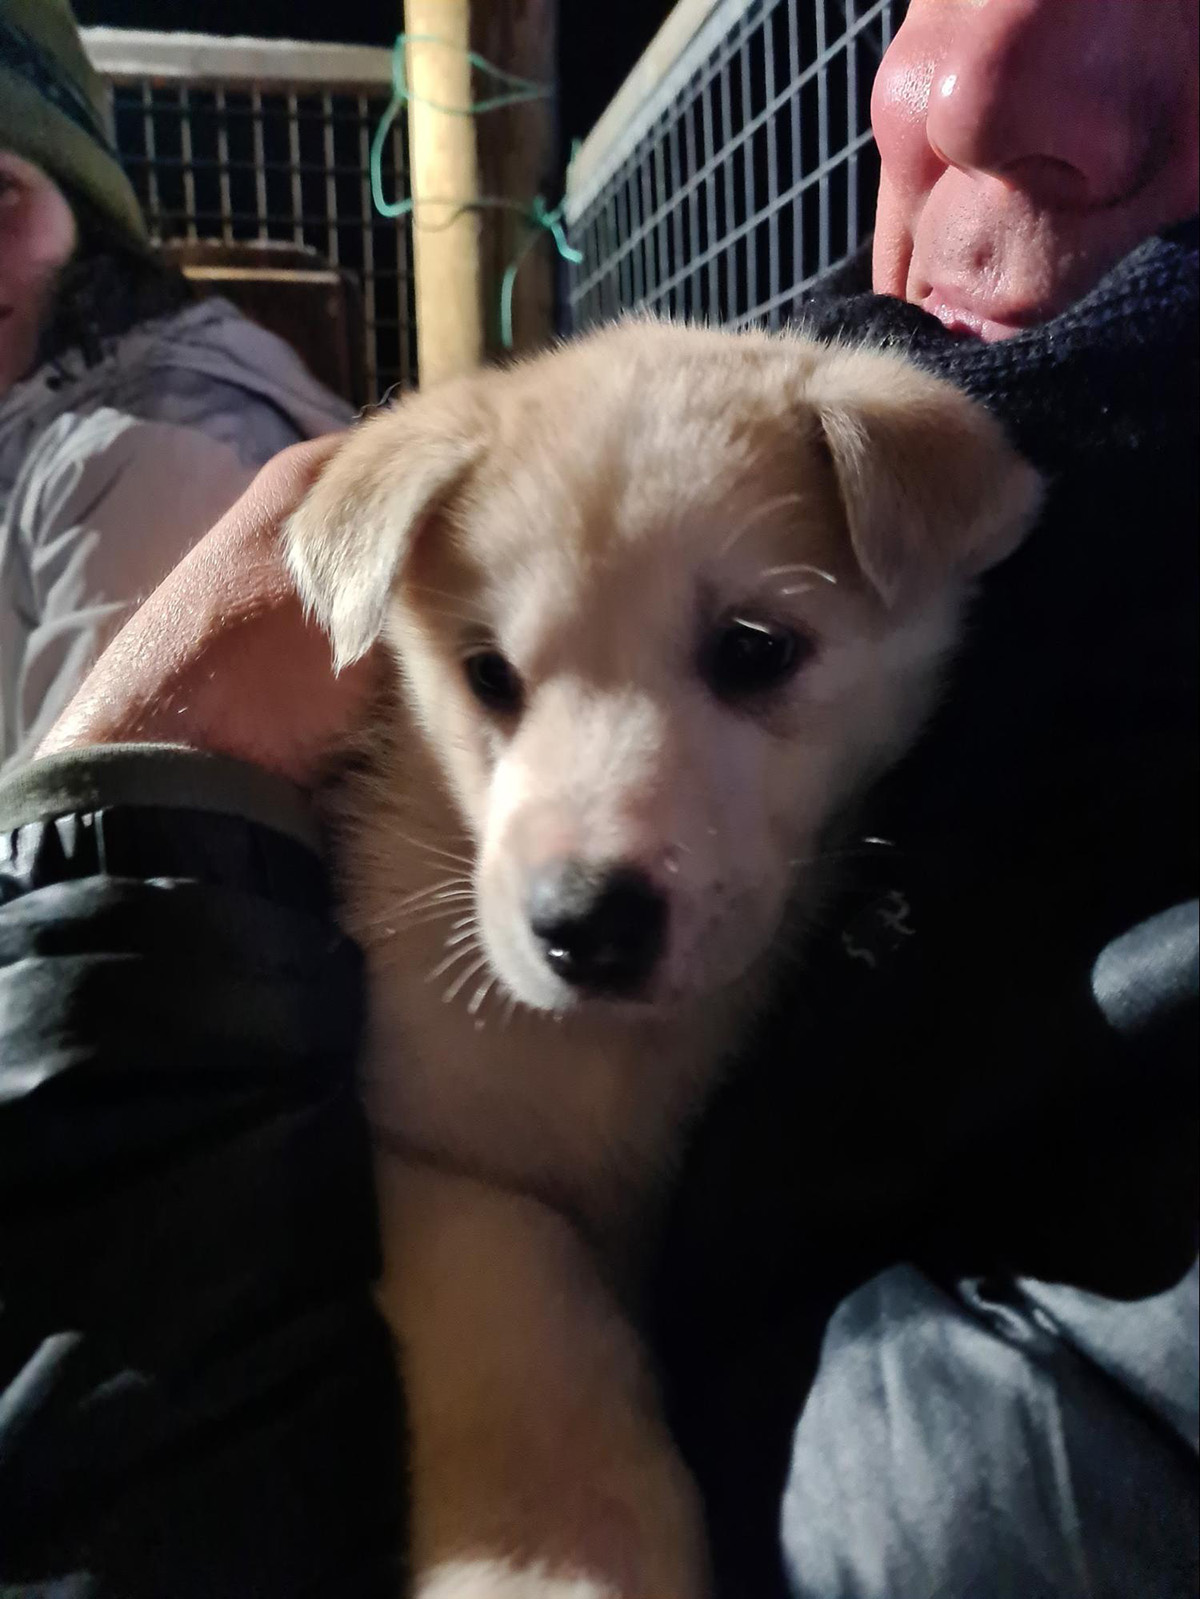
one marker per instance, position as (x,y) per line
(221,657)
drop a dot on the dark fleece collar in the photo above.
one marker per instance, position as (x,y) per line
(1118,370)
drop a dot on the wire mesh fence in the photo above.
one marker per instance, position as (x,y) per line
(736,167)
(239,140)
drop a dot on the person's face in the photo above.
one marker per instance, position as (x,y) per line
(1026,146)
(37,236)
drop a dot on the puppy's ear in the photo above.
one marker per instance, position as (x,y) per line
(347,541)
(933,490)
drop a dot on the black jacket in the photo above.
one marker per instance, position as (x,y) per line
(197,1398)
(987,1065)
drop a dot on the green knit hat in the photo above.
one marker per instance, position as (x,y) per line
(53,111)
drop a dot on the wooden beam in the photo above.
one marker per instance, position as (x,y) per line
(444,177)
(127,55)
(517,158)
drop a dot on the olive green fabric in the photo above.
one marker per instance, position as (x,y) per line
(154,774)
(53,112)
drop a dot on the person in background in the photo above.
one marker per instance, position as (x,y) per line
(131,414)
(928,1304)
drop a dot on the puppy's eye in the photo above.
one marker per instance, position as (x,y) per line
(746,656)
(493,681)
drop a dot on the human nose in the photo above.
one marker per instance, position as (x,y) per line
(1050,96)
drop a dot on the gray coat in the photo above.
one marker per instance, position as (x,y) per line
(109,473)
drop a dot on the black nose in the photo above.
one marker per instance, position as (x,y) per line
(599,929)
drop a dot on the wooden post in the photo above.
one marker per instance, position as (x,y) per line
(444,176)
(517,158)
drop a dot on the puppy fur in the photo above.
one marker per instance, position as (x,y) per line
(594,517)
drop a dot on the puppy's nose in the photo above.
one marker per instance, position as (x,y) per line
(599,929)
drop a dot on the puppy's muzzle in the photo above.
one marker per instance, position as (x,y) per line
(600,929)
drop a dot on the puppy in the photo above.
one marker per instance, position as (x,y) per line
(662,603)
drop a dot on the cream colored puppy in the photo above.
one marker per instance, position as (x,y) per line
(662,603)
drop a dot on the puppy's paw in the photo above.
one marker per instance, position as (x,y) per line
(499,1579)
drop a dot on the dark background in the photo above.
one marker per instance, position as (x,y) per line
(599,40)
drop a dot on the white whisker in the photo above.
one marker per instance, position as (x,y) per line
(461,981)
(805,567)
(457,886)
(437,849)
(428,917)
(418,915)
(476,1002)
(451,960)
(756,516)
(432,891)
(454,609)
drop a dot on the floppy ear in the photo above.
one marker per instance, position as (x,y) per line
(348,539)
(933,490)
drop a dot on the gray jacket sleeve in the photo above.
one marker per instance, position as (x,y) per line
(107,505)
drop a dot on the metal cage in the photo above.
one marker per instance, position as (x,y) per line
(258,140)
(735,166)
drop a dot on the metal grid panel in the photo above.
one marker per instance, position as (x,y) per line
(746,172)
(216,154)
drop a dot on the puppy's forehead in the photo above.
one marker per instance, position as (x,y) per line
(619,442)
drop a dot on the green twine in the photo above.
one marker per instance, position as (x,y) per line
(520,91)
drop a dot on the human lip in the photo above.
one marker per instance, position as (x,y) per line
(990,323)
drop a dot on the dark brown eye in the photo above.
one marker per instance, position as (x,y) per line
(493,681)
(746,656)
